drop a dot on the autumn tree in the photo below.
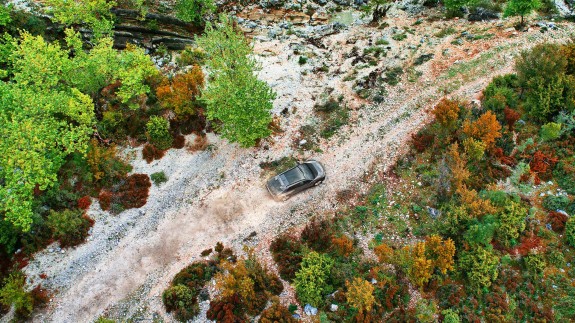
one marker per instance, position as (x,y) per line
(486,128)
(237,100)
(457,164)
(360,294)
(441,253)
(181,93)
(421,268)
(446,113)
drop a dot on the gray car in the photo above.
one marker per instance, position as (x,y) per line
(295,180)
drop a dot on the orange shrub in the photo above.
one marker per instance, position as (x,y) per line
(446,113)
(180,93)
(343,246)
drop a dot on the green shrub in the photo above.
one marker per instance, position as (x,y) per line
(450,316)
(481,232)
(479,265)
(425,311)
(311,281)
(564,174)
(553,203)
(511,223)
(541,71)
(159,132)
(69,226)
(556,258)
(570,231)
(14,294)
(302,60)
(181,300)
(550,131)
(159,178)
(535,264)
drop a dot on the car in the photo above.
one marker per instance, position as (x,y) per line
(294,180)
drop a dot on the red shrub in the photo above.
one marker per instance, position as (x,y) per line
(421,141)
(40,296)
(318,234)
(84,202)
(179,142)
(105,198)
(540,164)
(134,193)
(150,153)
(227,310)
(506,160)
(511,116)
(557,220)
(527,244)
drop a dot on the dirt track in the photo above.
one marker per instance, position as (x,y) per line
(219,195)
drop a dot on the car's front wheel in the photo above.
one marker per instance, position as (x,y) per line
(318,183)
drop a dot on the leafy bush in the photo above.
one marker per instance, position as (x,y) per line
(159,132)
(159,178)
(69,226)
(181,300)
(311,281)
(557,220)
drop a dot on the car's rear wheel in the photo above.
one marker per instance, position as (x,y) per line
(318,183)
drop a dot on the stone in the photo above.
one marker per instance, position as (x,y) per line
(296,316)
(302,142)
(309,310)
(482,14)
(434,213)
(333,307)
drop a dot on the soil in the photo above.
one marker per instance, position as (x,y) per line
(218,194)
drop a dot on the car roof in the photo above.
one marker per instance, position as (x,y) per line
(294,175)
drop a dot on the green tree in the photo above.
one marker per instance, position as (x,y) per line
(311,281)
(194,11)
(521,8)
(550,131)
(94,13)
(238,102)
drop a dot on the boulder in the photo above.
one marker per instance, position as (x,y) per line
(310,310)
